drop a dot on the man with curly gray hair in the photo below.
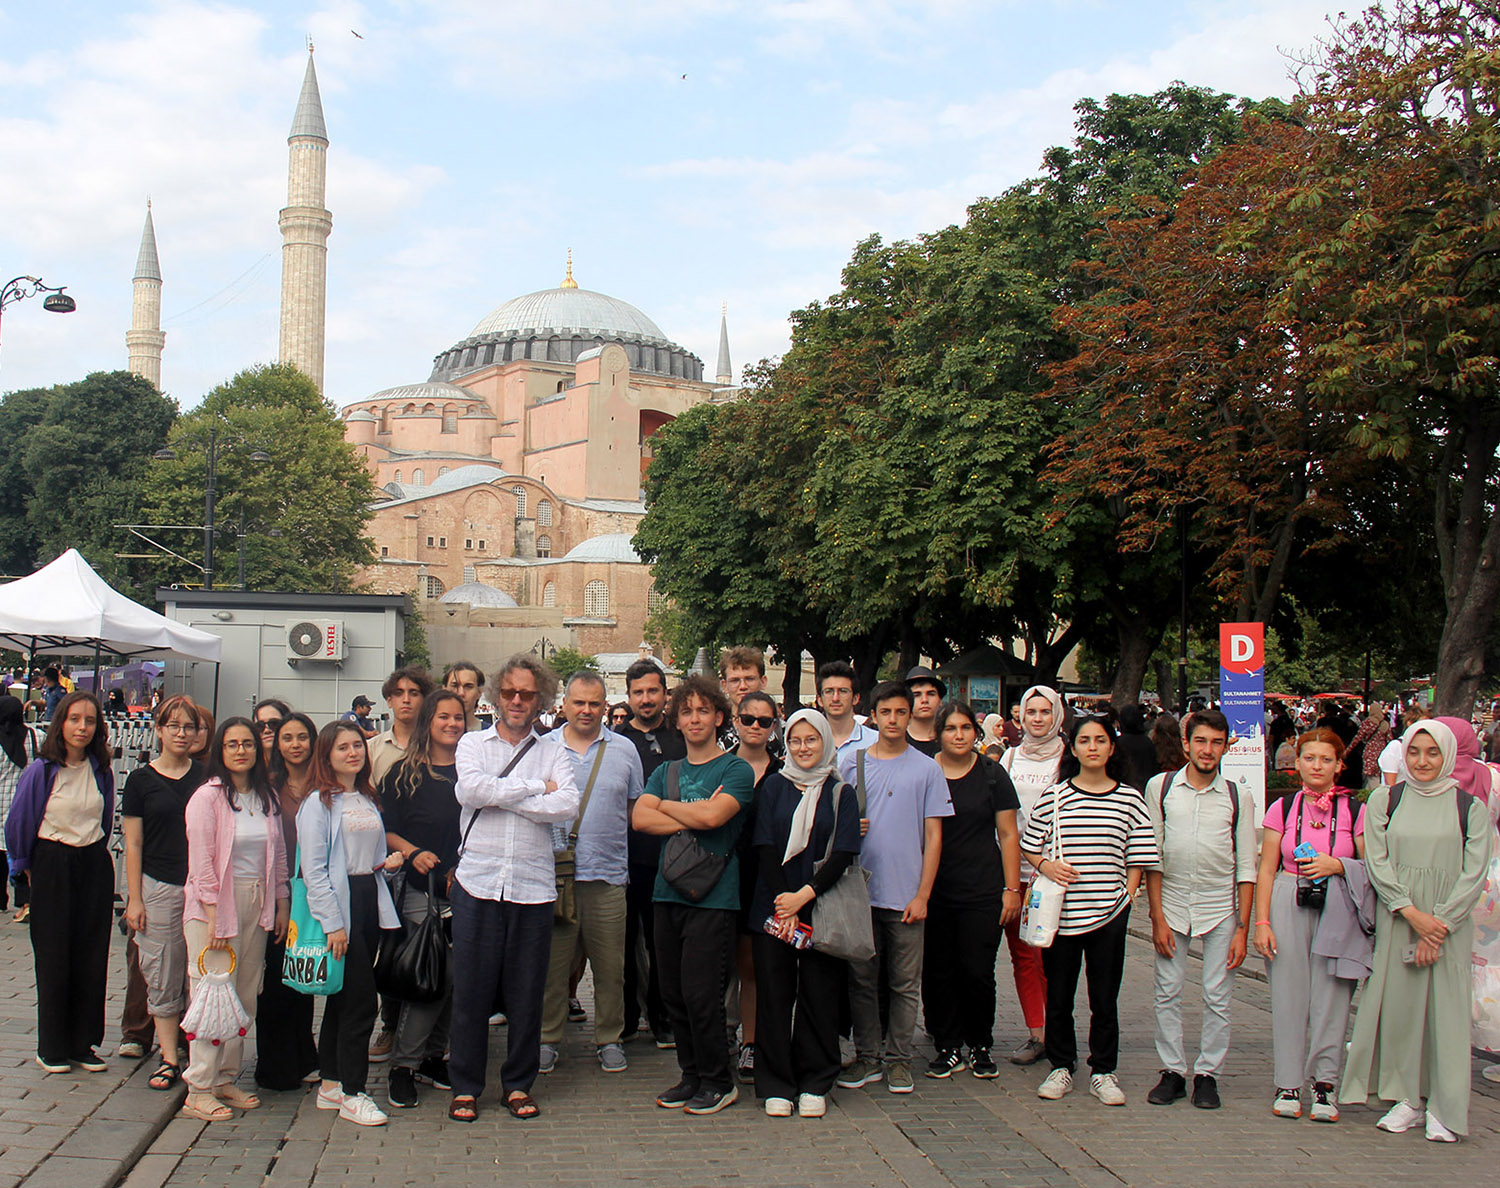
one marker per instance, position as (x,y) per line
(513,784)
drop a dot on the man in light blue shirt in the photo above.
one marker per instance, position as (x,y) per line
(607,771)
(838,691)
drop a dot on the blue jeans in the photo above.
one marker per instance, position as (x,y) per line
(500,949)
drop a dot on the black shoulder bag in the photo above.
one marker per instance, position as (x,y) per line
(689,868)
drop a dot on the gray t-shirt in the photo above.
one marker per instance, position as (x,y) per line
(901,794)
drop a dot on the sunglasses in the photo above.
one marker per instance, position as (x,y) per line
(527,695)
(757,720)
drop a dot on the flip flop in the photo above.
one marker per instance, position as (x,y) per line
(196,1106)
(463,1109)
(166,1076)
(233,1095)
(523,1106)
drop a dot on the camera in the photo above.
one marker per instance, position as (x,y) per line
(1312,895)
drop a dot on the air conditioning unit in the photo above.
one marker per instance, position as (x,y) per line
(315,639)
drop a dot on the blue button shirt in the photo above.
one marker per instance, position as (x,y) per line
(602,837)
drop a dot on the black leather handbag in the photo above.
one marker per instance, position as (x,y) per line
(412,965)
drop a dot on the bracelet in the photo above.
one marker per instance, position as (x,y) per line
(1013,890)
(1267,923)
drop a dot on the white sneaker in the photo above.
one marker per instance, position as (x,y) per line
(812,1105)
(1437,1132)
(1059,1082)
(1400,1118)
(1491,1072)
(330,1095)
(1106,1087)
(778,1107)
(360,1108)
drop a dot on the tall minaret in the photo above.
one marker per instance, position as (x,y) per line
(725,377)
(305,225)
(145,339)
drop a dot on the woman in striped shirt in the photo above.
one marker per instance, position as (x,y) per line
(1106,842)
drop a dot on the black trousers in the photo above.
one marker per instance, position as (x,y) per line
(1104,950)
(640,932)
(284,1048)
(344,1040)
(798,995)
(694,953)
(958,975)
(499,948)
(72,901)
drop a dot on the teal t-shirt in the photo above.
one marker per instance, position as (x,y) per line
(699,781)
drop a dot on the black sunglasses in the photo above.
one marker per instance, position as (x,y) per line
(757,720)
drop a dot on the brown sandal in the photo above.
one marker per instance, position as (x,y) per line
(463,1109)
(522,1105)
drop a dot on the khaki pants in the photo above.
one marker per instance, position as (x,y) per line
(211,1065)
(599,935)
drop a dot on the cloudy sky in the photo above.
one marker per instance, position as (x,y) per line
(689,152)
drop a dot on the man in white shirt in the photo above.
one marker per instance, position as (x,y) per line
(513,784)
(1203,888)
(838,690)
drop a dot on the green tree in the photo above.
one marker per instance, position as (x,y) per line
(20,413)
(305,509)
(566,661)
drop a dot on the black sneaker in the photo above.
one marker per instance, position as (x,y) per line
(945,1064)
(982,1064)
(678,1095)
(576,1013)
(711,1101)
(434,1071)
(401,1092)
(665,1040)
(89,1061)
(1171,1087)
(1205,1092)
(745,1069)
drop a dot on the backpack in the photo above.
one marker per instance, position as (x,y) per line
(1462,799)
(1163,783)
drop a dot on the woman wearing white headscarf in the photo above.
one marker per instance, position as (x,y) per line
(804,814)
(1032,766)
(1426,859)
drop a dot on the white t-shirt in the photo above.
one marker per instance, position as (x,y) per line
(250,832)
(364,834)
(1392,761)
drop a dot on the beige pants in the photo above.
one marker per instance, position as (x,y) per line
(599,935)
(211,1065)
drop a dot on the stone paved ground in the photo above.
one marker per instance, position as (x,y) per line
(605,1129)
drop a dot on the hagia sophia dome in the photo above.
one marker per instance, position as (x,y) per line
(558,325)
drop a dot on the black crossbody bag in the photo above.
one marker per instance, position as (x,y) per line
(689,868)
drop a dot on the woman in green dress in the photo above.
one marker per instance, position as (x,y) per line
(1426,859)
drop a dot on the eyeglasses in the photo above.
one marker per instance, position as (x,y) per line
(244,744)
(179,727)
(757,720)
(526,695)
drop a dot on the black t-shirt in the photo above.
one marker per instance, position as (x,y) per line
(426,817)
(971,873)
(928,746)
(655,747)
(161,803)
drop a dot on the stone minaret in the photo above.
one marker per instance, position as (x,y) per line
(725,376)
(305,225)
(145,338)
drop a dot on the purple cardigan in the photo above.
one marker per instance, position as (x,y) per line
(30,804)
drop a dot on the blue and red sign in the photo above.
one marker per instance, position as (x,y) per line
(1242,696)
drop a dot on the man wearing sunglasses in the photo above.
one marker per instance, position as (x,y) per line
(513,785)
(656,742)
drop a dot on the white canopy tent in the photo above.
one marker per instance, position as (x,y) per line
(66,609)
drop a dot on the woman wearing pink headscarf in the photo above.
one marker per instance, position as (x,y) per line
(1032,766)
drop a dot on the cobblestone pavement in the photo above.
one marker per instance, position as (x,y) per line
(604,1128)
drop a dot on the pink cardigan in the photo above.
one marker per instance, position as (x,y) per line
(210,837)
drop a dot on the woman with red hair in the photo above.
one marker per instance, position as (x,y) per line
(1309,1002)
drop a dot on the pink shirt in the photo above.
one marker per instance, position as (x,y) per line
(1282,817)
(210,838)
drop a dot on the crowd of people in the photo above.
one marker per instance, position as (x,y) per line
(747,890)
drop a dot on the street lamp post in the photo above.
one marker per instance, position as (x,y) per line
(20,287)
(210,491)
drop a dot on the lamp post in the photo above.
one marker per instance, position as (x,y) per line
(20,287)
(210,491)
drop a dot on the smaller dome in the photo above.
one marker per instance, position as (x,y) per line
(361,416)
(613,546)
(478,594)
(465,476)
(422,392)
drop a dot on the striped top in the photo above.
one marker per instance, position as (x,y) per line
(1102,834)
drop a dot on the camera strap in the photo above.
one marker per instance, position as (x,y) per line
(1333,820)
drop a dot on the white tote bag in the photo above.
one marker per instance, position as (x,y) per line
(1044,900)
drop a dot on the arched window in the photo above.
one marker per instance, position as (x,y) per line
(442,470)
(544,545)
(469,574)
(419,476)
(549,594)
(520,494)
(433,588)
(544,513)
(596,600)
(450,422)
(654,601)
(398,476)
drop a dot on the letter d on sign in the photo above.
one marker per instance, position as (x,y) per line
(1241,648)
